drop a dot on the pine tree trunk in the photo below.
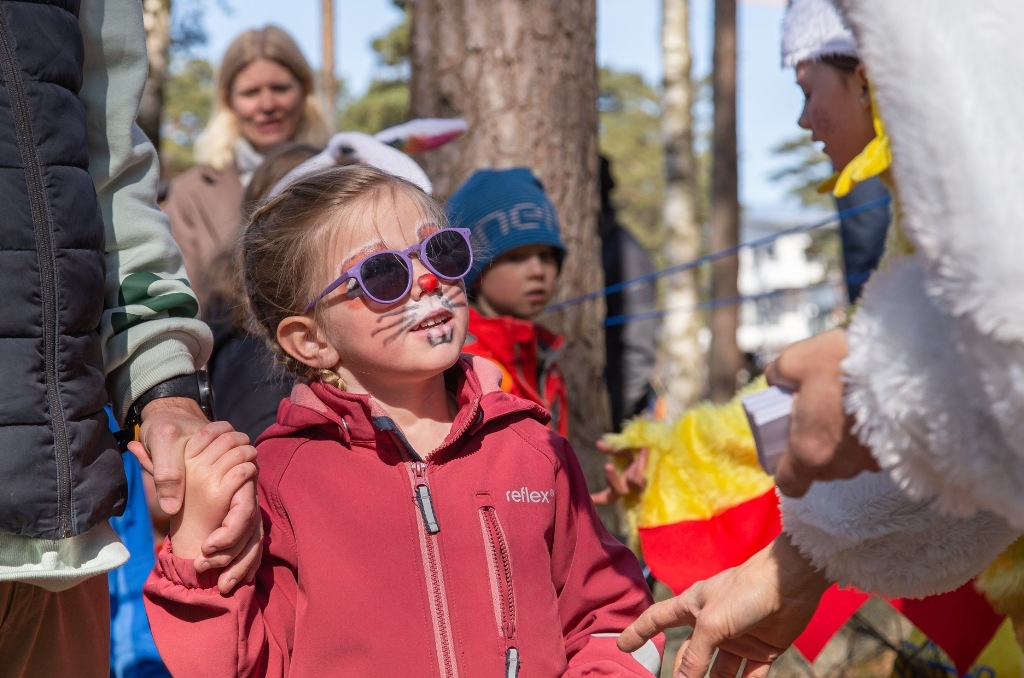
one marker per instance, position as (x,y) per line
(724,356)
(524,76)
(157,21)
(682,372)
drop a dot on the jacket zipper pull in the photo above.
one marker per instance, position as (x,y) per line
(511,662)
(423,499)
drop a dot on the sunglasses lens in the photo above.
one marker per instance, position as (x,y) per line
(385,276)
(448,254)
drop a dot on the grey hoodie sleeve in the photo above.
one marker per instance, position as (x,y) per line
(150,327)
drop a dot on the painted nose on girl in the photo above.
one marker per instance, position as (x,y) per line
(428,282)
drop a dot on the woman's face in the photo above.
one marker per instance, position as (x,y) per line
(837,110)
(266,99)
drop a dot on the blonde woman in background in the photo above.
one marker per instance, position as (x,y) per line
(265,96)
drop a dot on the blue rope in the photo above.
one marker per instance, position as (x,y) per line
(616,320)
(714,256)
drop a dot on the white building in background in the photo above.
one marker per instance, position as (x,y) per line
(795,295)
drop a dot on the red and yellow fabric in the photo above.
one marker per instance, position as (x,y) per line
(704,486)
(708,506)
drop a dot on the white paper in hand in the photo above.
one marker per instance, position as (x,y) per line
(768,413)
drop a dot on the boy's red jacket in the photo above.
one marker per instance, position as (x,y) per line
(486,560)
(527,354)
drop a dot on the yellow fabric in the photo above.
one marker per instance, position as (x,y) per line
(1002,584)
(874,159)
(1001,658)
(699,466)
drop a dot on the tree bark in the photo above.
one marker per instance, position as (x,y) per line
(157,21)
(724,356)
(682,373)
(524,76)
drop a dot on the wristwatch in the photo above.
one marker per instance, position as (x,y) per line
(195,386)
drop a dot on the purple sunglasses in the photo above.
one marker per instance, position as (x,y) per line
(386,276)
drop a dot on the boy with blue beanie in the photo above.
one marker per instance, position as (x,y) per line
(518,253)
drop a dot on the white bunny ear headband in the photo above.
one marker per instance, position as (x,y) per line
(383,150)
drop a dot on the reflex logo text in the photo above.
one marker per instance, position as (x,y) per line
(525,495)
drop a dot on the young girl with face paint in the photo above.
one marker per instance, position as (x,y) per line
(420,521)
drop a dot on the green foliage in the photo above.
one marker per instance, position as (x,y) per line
(386,101)
(392,48)
(807,168)
(629,115)
(188,100)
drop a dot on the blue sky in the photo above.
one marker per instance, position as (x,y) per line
(628,39)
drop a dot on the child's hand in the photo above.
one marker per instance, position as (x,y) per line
(214,472)
(630,481)
(240,560)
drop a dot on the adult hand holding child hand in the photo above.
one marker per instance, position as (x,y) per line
(213,468)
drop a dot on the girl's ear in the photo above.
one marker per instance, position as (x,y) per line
(300,338)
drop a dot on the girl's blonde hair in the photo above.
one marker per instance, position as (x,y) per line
(284,246)
(216,145)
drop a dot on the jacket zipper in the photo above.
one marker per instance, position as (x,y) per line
(435,581)
(47,272)
(423,499)
(504,592)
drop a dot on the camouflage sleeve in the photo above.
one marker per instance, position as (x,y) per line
(150,327)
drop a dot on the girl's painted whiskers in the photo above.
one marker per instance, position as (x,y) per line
(410,315)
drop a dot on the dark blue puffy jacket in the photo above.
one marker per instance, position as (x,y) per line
(60,470)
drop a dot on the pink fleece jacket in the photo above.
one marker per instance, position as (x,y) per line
(486,559)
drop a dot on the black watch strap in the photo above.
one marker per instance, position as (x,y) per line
(195,386)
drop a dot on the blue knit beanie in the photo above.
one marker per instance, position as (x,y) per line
(504,209)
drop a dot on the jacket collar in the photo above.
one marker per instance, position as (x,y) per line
(474,381)
(510,339)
